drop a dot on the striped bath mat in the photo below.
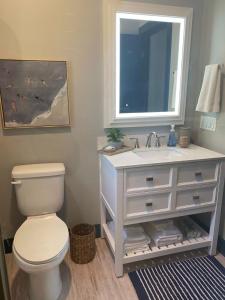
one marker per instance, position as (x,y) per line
(200,278)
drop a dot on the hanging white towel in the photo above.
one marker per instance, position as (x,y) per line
(209,98)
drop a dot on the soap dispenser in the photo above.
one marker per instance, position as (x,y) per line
(172,141)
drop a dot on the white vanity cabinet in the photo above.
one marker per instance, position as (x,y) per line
(135,190)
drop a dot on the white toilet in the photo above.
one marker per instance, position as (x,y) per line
(42,241)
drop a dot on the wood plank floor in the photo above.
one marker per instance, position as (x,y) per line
(93,281)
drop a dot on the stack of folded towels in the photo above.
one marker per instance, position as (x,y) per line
(163,232)
(188,228)
(135,238)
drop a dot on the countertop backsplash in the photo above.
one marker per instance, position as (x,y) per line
(142,138)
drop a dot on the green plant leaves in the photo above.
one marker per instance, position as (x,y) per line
(114,135)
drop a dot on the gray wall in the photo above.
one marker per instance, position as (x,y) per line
(213,51)
(67,30)
(57,30)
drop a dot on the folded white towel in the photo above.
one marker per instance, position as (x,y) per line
(163,232)
(144,238)
(136,249)
(169,241)
(134,234)
(135,238)
(135,245)
(209,98)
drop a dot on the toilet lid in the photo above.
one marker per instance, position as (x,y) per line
(40,239)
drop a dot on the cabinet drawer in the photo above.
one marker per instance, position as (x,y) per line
(147,178)
(196,173)
(195,198)
(147,205)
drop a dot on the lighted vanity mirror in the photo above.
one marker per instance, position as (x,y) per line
(149,63)
(146,50)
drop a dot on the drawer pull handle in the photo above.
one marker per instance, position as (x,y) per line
(149,179)
(149,204)
(198,174)
(196,197)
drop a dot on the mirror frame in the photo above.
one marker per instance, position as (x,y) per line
(111,11)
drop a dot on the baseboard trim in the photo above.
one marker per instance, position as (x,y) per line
(97,231)
(8,245)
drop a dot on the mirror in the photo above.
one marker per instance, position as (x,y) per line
(146,61)
(149,53)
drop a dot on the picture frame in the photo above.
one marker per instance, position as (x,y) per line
(34,94)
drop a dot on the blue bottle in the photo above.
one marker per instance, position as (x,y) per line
(172,141)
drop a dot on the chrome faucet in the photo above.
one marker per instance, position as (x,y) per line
(149,140)
(157,143)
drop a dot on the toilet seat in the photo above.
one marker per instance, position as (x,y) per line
(40,239)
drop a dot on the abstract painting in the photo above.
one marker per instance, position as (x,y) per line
(33,93)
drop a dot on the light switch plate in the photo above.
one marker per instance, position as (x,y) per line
(208,123)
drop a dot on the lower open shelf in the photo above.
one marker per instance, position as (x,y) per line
(154,251)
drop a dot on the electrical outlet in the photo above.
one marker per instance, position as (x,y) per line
(208,123)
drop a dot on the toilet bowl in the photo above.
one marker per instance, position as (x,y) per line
(39,247)
(42,241)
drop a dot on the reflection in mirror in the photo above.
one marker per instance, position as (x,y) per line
(148,64)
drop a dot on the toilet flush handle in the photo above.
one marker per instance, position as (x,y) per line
(16,182)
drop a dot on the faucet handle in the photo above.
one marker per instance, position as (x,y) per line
(136,145)
(157,140)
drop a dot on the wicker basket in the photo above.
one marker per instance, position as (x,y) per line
(82,243)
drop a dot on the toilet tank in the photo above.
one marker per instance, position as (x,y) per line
(39,188)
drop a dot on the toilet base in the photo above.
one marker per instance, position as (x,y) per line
(45,285)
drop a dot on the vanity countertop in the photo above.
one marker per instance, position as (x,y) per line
(163,155)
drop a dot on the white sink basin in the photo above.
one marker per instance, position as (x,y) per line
(156,153)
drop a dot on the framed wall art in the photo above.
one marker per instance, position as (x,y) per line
(33,93)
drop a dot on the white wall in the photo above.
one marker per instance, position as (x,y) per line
(67,30)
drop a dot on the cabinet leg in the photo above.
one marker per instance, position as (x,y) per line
(118,269)
(213,233)
(118,249)
(212,250)
(103,217)
(215,217)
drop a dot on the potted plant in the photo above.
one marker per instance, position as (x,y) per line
(115,137)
